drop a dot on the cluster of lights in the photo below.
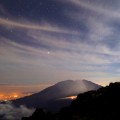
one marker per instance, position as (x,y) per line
(4,97)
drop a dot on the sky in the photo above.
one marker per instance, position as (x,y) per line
(43,42)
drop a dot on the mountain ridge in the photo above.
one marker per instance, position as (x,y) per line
(101,104)
(59,90)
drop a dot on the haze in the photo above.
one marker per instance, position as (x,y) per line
(43,42)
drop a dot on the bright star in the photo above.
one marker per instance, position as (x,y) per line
(48,52)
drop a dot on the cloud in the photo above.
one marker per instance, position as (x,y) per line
(83,39)
(65,50)
(72,47)
(10,112)
(102,9)
(28,25)
(61,50)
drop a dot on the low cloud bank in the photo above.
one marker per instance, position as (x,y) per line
(10,112)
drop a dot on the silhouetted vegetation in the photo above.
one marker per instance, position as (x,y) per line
(103,104)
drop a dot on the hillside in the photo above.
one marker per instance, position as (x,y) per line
(54,95)
(103,104)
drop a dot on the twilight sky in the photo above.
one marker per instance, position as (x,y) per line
(46,41)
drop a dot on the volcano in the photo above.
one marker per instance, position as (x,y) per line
(52,98)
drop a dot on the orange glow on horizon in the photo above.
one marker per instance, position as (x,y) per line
(10,92)
(10,96)
(15,96)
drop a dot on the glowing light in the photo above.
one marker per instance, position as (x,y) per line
(11,96)
(15,96)
(48,52)
(73,97)
(70,97)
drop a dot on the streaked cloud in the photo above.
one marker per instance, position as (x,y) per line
(84,45)
(11,23)
(102,9)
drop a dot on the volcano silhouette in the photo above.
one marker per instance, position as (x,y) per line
(50,98)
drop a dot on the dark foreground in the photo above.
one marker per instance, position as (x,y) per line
(103,104)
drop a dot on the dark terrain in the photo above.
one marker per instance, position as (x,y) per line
(101,104)
(52,98)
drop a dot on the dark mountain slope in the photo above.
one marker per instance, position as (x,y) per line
(103,104)
(52,95)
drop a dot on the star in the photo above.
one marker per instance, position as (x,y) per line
(48,52)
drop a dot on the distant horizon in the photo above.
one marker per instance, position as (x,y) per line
(14,91)
(43,42)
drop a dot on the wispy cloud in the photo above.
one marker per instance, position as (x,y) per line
(90,47)
(93,6)
(23,25)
